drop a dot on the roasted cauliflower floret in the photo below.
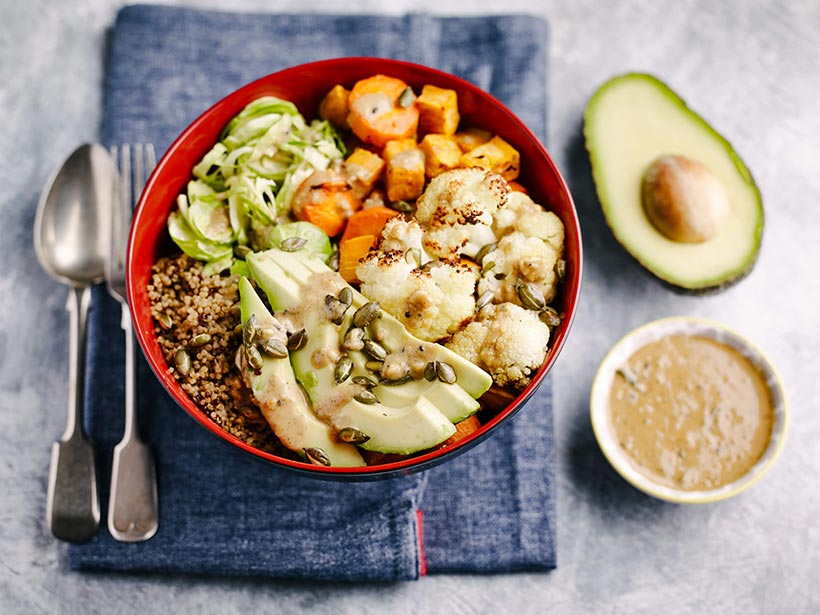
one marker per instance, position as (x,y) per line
(431,302)
(456,211)
(404,236)
(522,214)
(517,260)
(507,340)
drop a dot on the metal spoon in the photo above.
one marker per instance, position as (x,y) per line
(70,238)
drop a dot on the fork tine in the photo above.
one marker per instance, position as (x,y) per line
(135,163)
(125,172)
(139,174)
(150,158)
(144,162)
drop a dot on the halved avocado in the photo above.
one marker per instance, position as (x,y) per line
(631,122)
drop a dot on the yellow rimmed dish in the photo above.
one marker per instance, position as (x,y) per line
(600,411)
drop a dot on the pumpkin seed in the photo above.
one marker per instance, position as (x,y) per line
(297,340)
(484,251)
(354,339)
(200,340)
(316,456)
(183,361)
(165,321)
(488,266)
(346,295)
(561,268)
(336,309)
(366,314)
(404,207)
(366,397)
(240,251)
(430,371)
(484,300)
(364,381)
(406,98)
(292,244)
(396,381)
(343,369)
(333,263)
(375,350)
(250,330)
(550,317)
(351,435)
(413,256)
(374,366)
(254,357)
(274,347)
(445,372)
(531,297)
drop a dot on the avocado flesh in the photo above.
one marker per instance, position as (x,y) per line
(281,399)
(629,122)
(397,430)
(412,424)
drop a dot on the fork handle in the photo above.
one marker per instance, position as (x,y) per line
(131,427)
(132,507)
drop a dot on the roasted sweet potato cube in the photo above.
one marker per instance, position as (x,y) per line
(362,169)
(404,177)
(495,155)
(350,252)
(471,138)
(438,110)
(333,107)
(441,153)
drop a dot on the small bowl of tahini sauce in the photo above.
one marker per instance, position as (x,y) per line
(688,411)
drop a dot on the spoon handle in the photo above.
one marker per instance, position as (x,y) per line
(132,507)
(72,504)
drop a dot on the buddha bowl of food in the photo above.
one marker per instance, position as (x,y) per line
(688,410)
(354,268)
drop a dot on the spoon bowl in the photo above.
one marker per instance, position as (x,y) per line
(70,235)
(71,241)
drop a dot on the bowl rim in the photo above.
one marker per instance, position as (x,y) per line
(686,325)
(435,456)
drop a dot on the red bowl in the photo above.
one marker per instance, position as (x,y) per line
(305,85)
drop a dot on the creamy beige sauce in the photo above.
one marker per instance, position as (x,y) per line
(328,409)
(691,412)
(312,295)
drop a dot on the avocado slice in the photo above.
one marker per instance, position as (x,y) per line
(407,417)
(397,430)
(281,399)
(631,122)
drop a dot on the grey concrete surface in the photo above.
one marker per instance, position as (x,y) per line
(752,68)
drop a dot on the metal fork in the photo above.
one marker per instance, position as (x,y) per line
(132,505)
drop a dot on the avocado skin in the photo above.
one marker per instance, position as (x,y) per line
(699,290)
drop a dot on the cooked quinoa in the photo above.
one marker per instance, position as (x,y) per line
(187,307)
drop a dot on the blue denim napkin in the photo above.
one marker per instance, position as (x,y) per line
(489,510)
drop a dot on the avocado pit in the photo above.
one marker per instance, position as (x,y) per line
(684,200)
